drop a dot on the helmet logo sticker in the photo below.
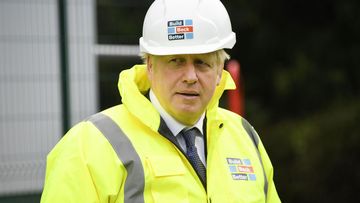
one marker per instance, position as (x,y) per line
(180,29)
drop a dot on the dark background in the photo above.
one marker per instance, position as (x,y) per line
(300,63)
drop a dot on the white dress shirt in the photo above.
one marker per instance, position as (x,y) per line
(176,127)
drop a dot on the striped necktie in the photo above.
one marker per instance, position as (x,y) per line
(191,152)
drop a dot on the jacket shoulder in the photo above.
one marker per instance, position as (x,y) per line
(238,120)
(228,115)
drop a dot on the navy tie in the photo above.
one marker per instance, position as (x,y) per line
(191,153)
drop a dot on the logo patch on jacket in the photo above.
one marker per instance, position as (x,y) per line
(180,29)
(241,169)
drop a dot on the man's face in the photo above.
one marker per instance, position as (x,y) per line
(184,84)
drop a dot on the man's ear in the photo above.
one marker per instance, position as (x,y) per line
(219,74)
(149,66)
(149,63)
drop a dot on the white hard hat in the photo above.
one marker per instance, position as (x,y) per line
(186,27)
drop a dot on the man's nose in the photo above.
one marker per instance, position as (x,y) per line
(190,75)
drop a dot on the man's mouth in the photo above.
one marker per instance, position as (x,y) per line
(189,94)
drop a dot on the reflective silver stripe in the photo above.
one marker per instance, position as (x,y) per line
(255,138)
(135,180)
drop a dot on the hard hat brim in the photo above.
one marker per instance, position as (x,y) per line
(226,43)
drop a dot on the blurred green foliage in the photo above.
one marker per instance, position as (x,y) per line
(120,21)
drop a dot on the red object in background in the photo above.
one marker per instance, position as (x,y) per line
(236,97)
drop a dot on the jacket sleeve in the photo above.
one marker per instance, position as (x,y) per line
(82,167)
(272,195)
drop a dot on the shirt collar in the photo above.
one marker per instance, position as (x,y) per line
(174,126)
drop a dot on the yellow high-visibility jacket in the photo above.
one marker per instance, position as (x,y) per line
(125,154)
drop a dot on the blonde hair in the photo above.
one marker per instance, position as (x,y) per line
(220,56)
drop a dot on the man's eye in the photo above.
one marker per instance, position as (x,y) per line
(201,62)
(173,60)
(176,60)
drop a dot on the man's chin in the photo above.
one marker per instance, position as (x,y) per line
(188,116)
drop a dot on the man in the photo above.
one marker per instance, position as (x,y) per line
(169,141)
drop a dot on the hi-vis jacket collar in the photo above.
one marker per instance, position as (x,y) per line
(134,83)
